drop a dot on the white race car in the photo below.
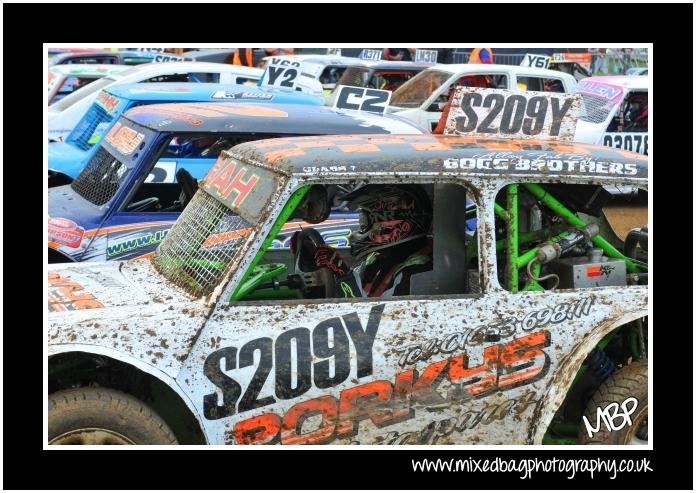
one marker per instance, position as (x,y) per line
(615,112)
(327,69)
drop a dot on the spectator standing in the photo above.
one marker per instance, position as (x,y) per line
(243,56)
(400,54)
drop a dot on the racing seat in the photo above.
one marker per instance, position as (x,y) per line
(316,282)
(189,186)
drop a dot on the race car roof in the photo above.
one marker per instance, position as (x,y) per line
(175,91)
(266,118)
(155,69)
(626,81)
(394,65)
(455,68)
(437,154)
(89,70)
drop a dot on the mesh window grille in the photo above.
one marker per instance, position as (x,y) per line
(101,178)
(198,249)
(595,110)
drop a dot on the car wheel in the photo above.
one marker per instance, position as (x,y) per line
(100,416)
(629,381)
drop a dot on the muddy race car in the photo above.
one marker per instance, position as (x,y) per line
(513,334)
(143,174)
(615,112)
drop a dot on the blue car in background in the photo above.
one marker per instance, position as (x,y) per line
(66,159)
(144,171)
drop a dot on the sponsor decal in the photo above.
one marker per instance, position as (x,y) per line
(601,90)
(587,166)
(143,240)
(242,96)
(107,101)
(65,294)
(325,169)
(499,330)
(384,403)
(599,270)
(228,177)
(124,139)
(438,430)
(65,232)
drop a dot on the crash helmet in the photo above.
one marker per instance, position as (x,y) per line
(389,215)
(636,109)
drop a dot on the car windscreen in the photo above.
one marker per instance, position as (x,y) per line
(414,92)
(117,156)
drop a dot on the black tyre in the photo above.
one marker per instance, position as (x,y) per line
(629,381)
(100,416)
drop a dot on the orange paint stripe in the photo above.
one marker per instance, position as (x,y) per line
(310,145)
(242,110)
(430,146)
(283,153)
(359,148)
(387,140)
(229,235)
(190,109)
(145,256)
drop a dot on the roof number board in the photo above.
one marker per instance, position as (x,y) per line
(500,113)
(362,99)
(281,73)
